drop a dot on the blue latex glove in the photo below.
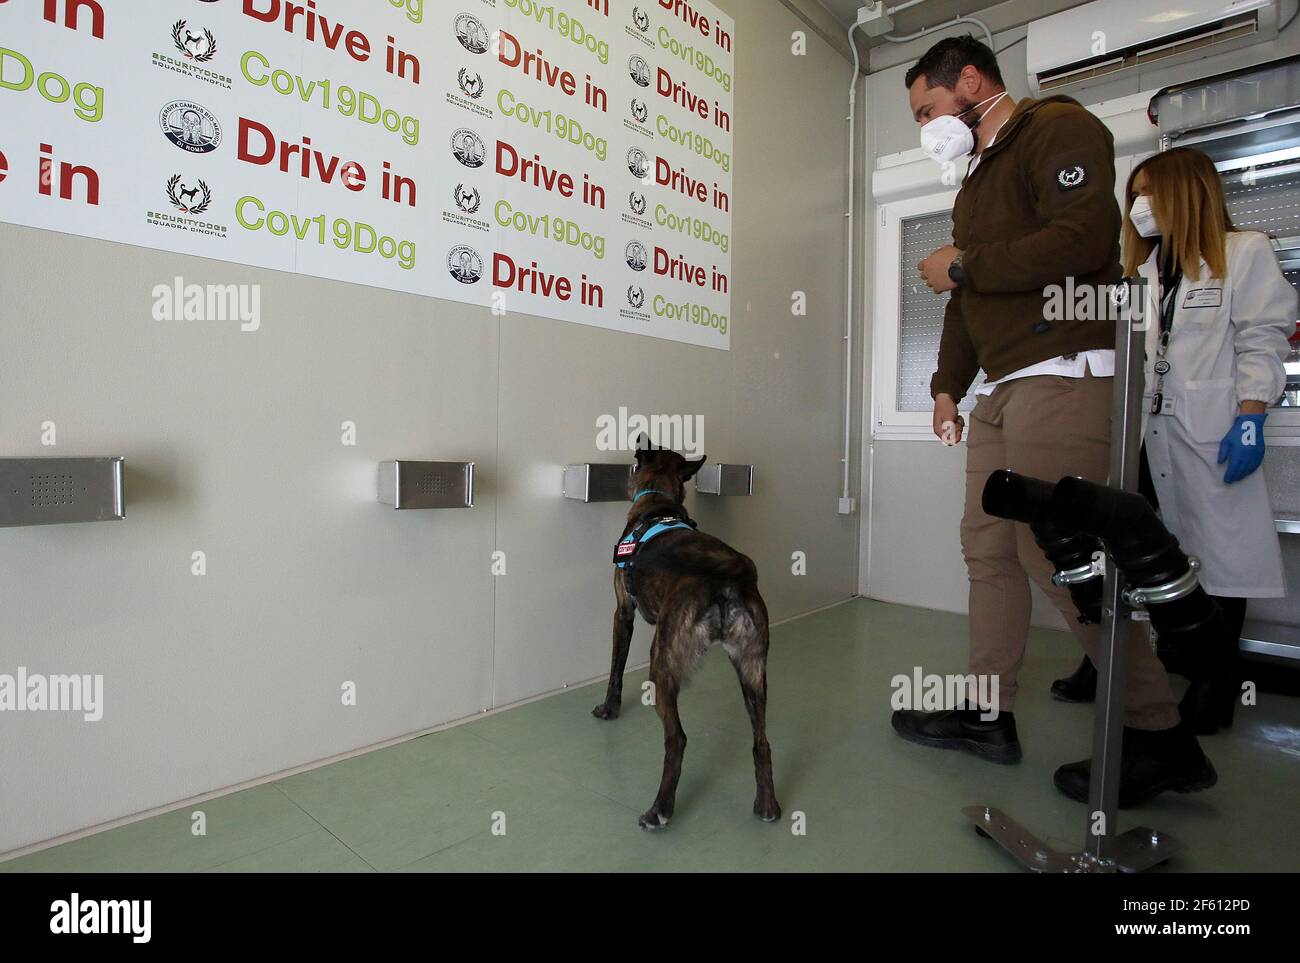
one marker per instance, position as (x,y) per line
(1242,447)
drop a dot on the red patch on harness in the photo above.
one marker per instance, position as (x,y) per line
(625,548)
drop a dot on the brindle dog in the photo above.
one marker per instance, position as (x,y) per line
(696,591)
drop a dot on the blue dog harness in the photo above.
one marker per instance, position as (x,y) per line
(651,524)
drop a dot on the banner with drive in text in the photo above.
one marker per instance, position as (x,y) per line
(564,158)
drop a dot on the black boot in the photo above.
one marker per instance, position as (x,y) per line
(1215,687)
(1215,670)
(994,740)
(1152,762)
(1208,705)
(1080,687)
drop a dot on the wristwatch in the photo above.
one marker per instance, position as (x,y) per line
(955,272)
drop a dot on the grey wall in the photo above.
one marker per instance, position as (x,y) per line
(911,549)
(232,443)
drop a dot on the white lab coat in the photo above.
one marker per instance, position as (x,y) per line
(1228,343)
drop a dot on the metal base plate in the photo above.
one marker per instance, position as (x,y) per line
(1133,851)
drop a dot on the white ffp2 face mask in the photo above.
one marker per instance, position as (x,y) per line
(1143,218)
(947,137)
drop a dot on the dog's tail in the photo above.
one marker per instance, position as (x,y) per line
(732,599)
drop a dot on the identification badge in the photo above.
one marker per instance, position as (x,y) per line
(1166,405)
(1203,298)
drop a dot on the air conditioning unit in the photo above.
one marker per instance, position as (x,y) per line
(1098,42)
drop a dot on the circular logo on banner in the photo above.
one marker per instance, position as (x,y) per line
(467,147)
(636,297)
(640,19)
(637,162)
(471,33)
(639,111)
(465,264)
(639,70)
(190,126)
(1162,367)
(636,255)
(636,202)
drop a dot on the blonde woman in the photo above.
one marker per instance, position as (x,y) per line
(1220,315)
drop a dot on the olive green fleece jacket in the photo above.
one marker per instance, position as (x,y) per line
(1038,209)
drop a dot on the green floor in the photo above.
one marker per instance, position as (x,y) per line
(571,787)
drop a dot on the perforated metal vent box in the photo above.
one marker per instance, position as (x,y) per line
(426,484)
(597,482)
(52,491)
(721,479)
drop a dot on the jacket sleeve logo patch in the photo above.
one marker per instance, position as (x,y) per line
(1071,177)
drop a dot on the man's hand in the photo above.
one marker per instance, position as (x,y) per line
(945,410)
(934,269)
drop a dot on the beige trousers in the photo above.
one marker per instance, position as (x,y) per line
(1046,427)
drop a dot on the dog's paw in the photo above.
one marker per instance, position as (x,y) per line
(605,711)
(652,822)
(769,811)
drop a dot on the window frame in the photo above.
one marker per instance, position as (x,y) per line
(887,422)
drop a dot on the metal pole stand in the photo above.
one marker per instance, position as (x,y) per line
(1103,851)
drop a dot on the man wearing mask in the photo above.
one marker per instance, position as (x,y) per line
(1036,210)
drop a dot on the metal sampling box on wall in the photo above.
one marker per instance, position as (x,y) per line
(426,484)
(597,482)
(53,491)
(719,479)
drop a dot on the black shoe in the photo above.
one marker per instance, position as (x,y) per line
(1153,762)
(1080,687)
(994,740)
(1208,706)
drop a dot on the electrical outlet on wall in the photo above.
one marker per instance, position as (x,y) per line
(874,19)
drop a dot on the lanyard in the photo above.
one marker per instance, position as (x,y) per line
(1168,304)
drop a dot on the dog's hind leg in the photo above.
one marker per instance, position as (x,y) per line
(624,614)
(750,661)
(666,687)
(765,805)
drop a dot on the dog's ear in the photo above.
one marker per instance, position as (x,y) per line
(644,450)
(689,468)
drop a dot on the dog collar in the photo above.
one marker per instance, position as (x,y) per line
(646,491)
